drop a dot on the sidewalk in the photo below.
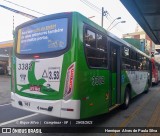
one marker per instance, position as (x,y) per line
(155,119)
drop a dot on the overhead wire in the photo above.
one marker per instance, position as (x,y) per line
(92,5)
(23,7)
(108,17)
(86,2)
(18,12)
(89,4)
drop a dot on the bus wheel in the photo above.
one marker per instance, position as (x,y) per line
(146,91)
(126,99)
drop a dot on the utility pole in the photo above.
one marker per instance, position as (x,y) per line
(13,29)
(102,16)
(104,13)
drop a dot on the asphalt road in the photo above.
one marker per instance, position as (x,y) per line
(143,112)
(5,89)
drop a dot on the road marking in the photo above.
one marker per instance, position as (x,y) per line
(5,104)
(155,119)
(14,120)
(133,114)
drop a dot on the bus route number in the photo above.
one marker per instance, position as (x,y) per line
(24,66)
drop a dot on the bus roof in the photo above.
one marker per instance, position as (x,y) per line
(115,37)
(48,17)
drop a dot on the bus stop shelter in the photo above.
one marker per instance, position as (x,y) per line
(147,14)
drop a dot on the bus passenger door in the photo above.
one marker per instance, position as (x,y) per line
(114,92)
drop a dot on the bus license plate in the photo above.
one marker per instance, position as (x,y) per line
(27,104)
(35,88)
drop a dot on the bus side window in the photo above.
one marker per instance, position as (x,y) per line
(101,43)
(125,58)
(147,64)
(133,60)
(95,49)
(144,63)
(139,61)
(90,39)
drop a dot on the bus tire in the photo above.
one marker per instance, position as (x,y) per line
(147,90)
(127,98)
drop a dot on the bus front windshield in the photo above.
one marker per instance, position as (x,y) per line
(43,37)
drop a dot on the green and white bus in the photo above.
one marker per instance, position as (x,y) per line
(67,66)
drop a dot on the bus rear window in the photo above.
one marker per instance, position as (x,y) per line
(43,37)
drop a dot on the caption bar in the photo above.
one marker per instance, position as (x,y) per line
(22,130)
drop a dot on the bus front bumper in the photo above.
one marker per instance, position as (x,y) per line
(59,108)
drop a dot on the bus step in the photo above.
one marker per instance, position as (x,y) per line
(114,106)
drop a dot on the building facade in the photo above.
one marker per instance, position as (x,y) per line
(146,44)
(5,57)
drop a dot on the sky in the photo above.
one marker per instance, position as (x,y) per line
(114,7)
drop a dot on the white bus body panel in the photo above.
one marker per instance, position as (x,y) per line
(41,106)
